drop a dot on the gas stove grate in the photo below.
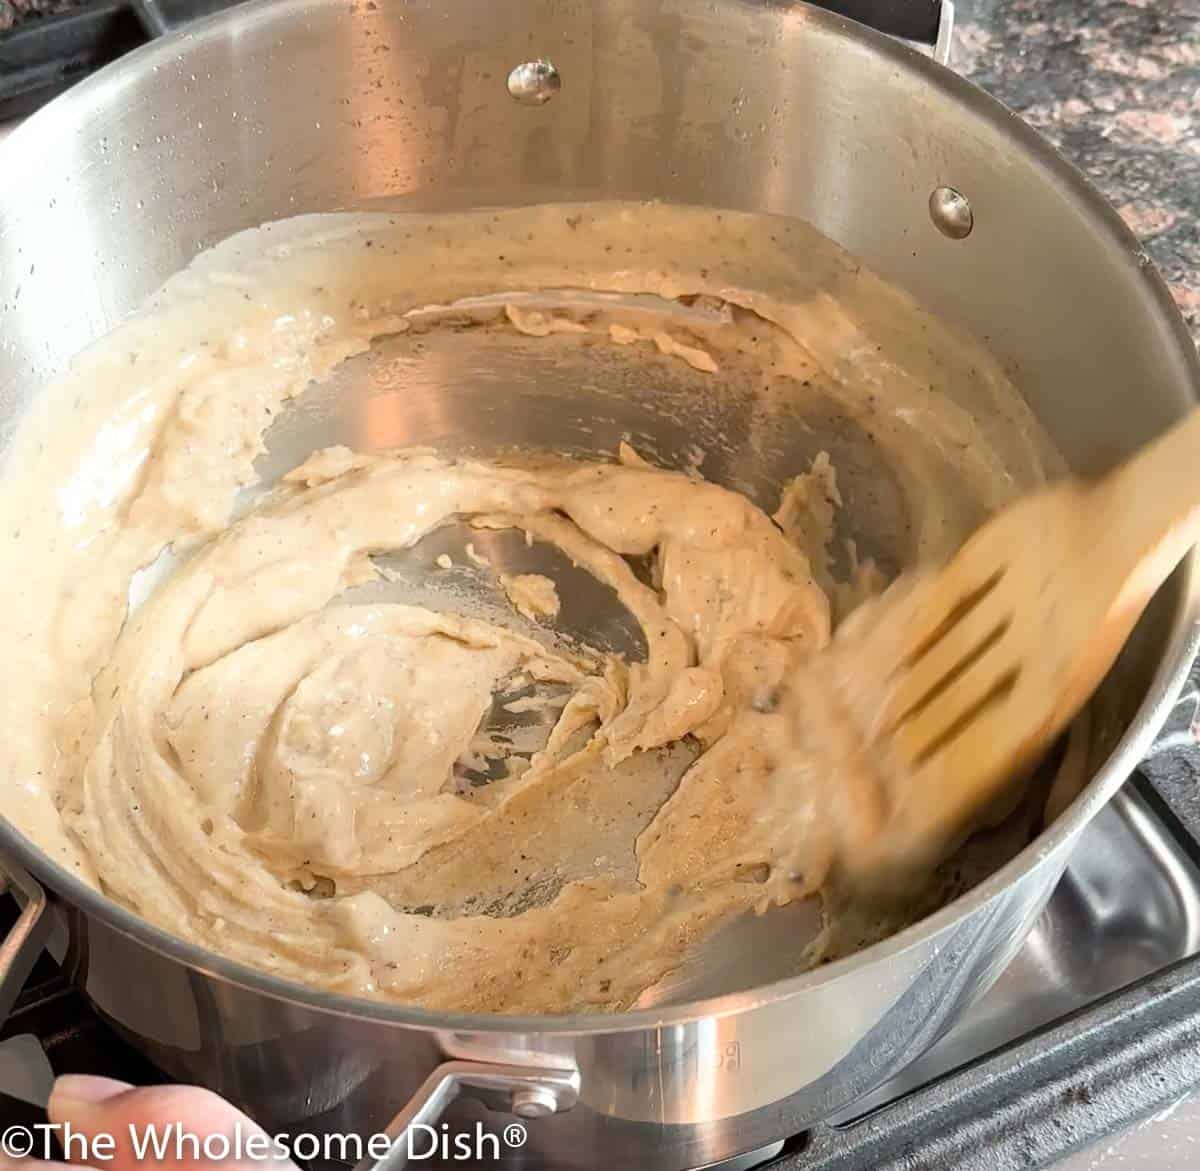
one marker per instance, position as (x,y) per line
(43,54)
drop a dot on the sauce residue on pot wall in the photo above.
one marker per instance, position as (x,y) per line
(266,758)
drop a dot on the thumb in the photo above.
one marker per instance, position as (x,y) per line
(164,1128)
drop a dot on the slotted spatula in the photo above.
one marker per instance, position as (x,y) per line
(958,678)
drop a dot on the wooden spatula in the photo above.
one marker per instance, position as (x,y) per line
(958,678)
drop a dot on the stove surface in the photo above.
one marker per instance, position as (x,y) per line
(48,45)
(1127,908)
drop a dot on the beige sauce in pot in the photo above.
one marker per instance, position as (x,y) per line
(265,758)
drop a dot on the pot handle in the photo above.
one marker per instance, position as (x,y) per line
(928,22)
(24,943)
(523,1090)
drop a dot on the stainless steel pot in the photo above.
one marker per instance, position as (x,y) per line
(288,106)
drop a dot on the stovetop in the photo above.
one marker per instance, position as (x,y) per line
(48,45)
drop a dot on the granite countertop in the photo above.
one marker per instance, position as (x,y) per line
(1115,85)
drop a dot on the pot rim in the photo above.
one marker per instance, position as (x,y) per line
(1131,748)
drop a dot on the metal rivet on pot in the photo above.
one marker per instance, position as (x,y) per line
(534,82)
(534,1102)
(951,213)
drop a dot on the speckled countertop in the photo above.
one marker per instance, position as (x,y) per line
(1115,85)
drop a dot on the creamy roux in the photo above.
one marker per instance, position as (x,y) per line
(255,760)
